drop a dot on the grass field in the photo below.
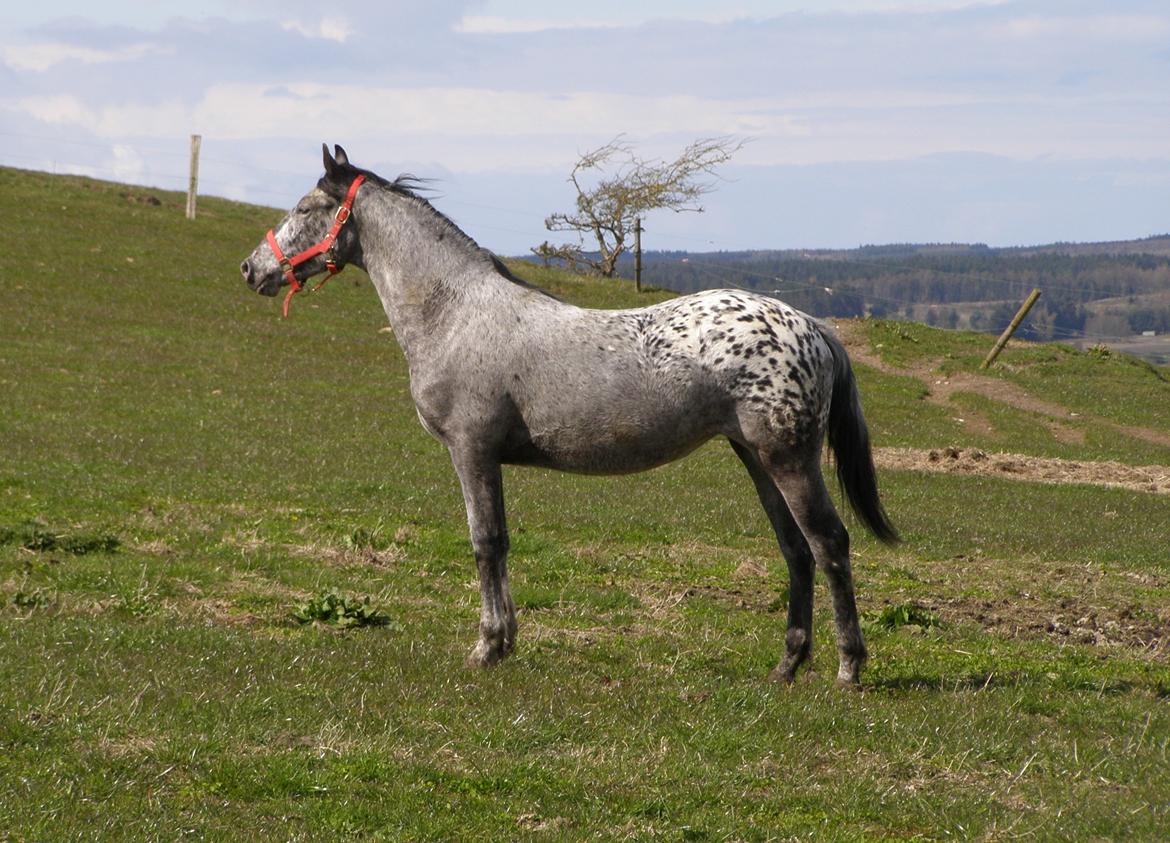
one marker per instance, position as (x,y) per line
(182,472)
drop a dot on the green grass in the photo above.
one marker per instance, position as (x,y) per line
(899,415)
(223,469)
(1124,389)
(1081,439)
(1095,391)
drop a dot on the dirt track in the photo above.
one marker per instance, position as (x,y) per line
(1150,478)
(1146,478)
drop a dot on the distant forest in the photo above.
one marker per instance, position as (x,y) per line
(1112,289)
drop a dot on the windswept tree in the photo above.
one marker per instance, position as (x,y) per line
(615,187)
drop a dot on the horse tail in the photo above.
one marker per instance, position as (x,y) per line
(849,441)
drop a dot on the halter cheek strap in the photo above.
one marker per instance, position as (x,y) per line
(323,247)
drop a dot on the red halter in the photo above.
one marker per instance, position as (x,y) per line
(325,247)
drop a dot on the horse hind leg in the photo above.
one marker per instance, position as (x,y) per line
(803,487)
(798,555)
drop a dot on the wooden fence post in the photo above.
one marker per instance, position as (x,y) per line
(193,184)
(1010,329)
(638,254)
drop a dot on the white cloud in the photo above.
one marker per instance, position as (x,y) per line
(41,57)
(473,129)
(327,29)
(418,117)
(505,17)
(515,89)
(494,25)
(127,165)
(1111,28)
(62,109)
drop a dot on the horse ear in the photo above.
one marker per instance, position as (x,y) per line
(330,164)
(342,158)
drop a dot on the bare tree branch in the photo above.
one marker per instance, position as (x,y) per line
(625,187)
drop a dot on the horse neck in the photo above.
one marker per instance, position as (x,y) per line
(428,274)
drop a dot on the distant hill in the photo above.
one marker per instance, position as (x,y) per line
(1158,244)
(1091,291)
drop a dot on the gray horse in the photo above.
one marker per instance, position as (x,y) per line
(501,372)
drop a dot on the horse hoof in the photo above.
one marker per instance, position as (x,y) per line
(781,676)
(847,684)
(786,672)
(483,657)
(485,654)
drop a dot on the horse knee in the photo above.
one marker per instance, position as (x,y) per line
(833,558)
(490,545)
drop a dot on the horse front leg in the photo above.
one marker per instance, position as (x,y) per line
(483,495)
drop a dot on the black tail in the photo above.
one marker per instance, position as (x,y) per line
(849,440)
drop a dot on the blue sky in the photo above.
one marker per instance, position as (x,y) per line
(870,121)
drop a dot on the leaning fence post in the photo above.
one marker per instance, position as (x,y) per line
(1010,329)
(193,183)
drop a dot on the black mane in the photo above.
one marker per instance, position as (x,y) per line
(413,187)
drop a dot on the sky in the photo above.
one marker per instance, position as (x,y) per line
(1006,122)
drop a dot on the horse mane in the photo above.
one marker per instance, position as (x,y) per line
(414,187)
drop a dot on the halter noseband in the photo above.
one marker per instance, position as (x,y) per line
(322,247)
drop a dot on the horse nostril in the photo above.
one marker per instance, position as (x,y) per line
(246,271)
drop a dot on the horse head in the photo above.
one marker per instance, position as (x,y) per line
(313,237)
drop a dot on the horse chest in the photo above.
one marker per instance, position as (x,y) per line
(450,406)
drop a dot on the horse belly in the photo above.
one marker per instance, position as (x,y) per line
(618,438)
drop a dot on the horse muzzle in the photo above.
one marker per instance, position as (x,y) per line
(263,284)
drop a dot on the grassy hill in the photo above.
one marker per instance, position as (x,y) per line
(182,473)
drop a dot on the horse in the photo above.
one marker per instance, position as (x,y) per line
(502,372)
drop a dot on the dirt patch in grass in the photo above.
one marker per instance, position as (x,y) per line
(1068,619)
(380,557)
(1080,603)
(758,599)
(129,746)
(535,823)
(157,547)
(216,611)
(1147,478)
(757,594)
(940,389)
